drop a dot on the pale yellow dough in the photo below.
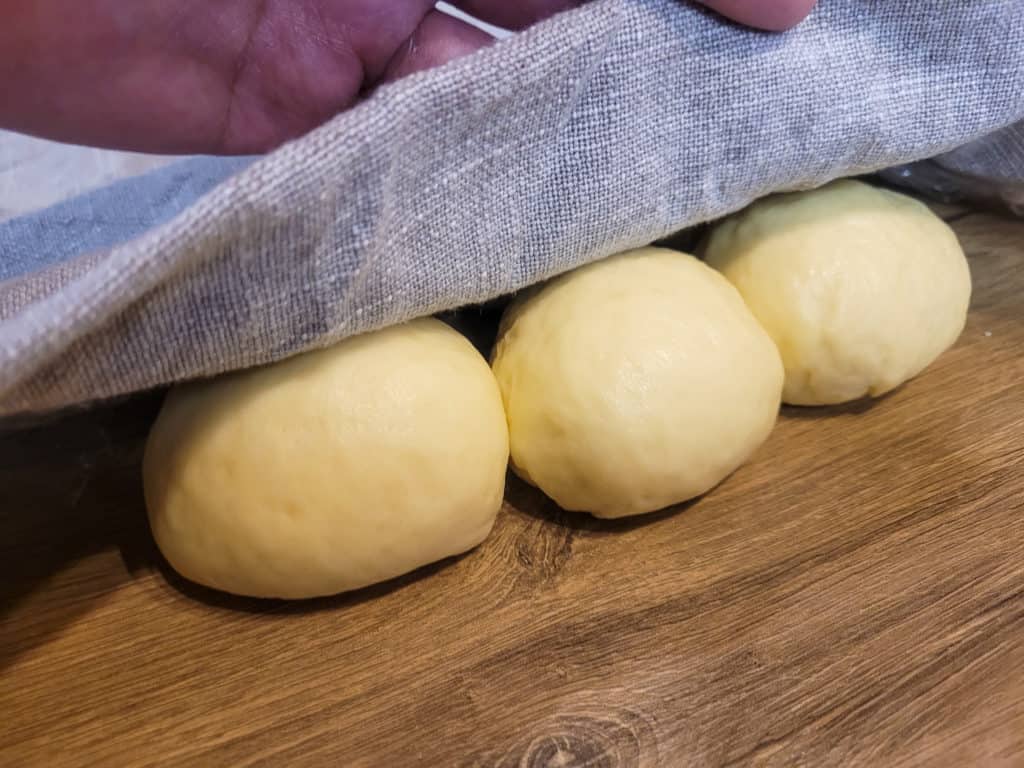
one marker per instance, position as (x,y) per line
(860,288)
(635,383)
(332,470)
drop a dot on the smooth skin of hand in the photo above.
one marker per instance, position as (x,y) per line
(239,76)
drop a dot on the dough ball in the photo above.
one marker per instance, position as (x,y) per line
(634,383)
(860,288)
(331,470)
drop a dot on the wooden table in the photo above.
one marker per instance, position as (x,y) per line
(853,596)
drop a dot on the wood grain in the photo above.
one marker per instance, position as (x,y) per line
(854,596)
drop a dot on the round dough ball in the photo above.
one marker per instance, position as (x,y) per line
(634,383)
(332,470)
(860,288)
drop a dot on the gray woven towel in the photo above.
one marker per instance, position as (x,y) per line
(989,170)
(601,129)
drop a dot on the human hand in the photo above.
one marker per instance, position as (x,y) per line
(239,76)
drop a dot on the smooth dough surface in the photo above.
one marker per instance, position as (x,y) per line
(332,470)
(861,288)
(634,383)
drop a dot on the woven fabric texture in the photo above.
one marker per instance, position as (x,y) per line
(987,171)
(601,129)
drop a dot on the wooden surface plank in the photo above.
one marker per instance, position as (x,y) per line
(855,595)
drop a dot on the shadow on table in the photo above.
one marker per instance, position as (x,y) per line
(854,408)
(70,490)
(211,598)
(532,502)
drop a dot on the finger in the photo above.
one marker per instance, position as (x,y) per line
(513,15)
(132,76)
(772,15)
(439,38)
